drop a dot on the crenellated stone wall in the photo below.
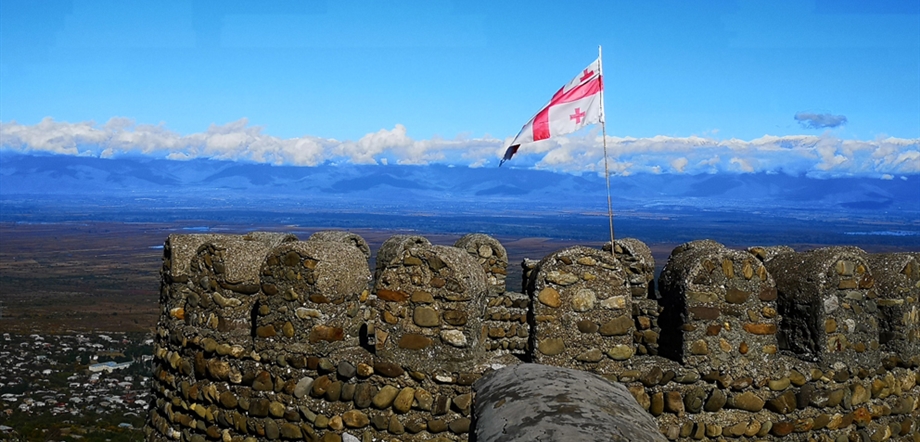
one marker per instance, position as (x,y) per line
(265,337)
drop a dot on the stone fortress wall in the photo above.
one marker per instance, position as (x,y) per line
(266,337)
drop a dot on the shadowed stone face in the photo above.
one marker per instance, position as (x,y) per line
(827,299)
(897,281)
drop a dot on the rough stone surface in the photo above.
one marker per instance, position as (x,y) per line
(394,247)
(639,264)
(766,253)
(324,279)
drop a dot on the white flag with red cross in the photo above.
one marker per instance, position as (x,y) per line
(574,106)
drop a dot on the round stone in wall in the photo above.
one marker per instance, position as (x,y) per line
(583,300)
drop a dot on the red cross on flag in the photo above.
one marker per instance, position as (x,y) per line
(574,106)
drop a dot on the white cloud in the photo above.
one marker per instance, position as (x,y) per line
(820,155)
(679,164)
(742,164)
(558,157)
(710,162)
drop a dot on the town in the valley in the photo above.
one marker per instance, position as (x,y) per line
(72,386)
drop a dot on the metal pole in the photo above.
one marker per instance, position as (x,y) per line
(600,64)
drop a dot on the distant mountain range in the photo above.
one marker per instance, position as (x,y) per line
(23,176)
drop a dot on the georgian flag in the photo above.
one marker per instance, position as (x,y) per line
(573,107)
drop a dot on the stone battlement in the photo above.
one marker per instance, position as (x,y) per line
(266,337)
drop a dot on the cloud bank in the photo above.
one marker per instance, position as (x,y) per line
(820,121)
(822,155)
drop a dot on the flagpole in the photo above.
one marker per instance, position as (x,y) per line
(600,64)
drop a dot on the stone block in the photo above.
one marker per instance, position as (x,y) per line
(440,331)
(344,237)
(715,306)
(825,318)
(313,295)
(574,290)
(639,264)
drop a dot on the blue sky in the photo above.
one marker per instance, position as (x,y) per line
(695,87)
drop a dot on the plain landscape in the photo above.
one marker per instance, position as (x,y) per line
(81,245)
(81,237)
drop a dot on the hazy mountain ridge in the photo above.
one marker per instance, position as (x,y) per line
(69,175)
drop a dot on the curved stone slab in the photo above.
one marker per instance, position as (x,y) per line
(343,237)
(532,402)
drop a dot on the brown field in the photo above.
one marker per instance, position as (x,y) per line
(104,276)
(84,277)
